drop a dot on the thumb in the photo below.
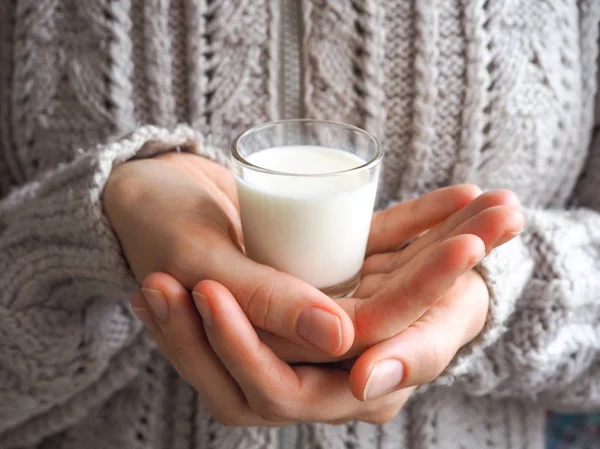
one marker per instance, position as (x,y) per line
(284,305)
(305,319)
(419,354)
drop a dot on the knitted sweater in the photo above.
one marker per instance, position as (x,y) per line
(494,92)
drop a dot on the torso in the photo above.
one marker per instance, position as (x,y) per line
(500,96)
(499,93)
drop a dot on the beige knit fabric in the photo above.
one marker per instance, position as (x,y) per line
(497,92)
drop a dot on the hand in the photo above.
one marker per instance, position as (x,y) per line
(399,287)
(447,249)
(184,220)
(240,380)
(177,213)
(422,351)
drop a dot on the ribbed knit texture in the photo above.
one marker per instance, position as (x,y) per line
(496,92)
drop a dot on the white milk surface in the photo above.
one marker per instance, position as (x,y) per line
(315,228)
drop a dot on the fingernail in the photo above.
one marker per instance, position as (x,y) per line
(385,378)
(145,317)
(507,237)
(203,307)
(320,328)
(157,302)
(140,308)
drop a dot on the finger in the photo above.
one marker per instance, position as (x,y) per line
(422,352)
(328,398)
(413,289)
(292,353)
(250,362)
(143,312)
(397,225)
(494,225)
(444,229)
(182,334)
(371,284)
(272,300)
(282,304)
(393,302)
(276,391)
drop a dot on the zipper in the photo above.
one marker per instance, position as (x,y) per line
(290,67)
(290,106)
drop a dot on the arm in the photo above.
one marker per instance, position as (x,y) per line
(542,338)
(67,337)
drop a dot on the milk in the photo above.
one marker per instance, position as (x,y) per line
(313,227)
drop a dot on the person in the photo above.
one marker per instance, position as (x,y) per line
(439,348)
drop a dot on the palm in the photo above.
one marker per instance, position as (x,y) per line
(418,305)
(398,287)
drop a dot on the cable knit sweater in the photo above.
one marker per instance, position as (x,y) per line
(494,92)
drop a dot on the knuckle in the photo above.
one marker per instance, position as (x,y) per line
(260,303)
(274,410)
(369,264)
(379,263)
(437,363)
(438,357)
(372,283)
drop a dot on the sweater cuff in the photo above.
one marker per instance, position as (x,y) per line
(150,141)
(61,262)
(506,272)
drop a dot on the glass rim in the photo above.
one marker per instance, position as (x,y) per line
(372,162)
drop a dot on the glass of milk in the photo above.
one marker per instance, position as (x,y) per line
(307,191)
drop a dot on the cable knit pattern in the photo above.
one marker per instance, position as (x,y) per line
(233,85)
(8,163)
(342,79)
(477,85)
(496,92)
(158,56)
(63,313)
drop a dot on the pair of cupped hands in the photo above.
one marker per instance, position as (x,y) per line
(263,348)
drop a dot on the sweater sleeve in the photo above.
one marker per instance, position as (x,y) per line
(68,339)
(542,337)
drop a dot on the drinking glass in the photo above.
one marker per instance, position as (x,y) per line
(306,191)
